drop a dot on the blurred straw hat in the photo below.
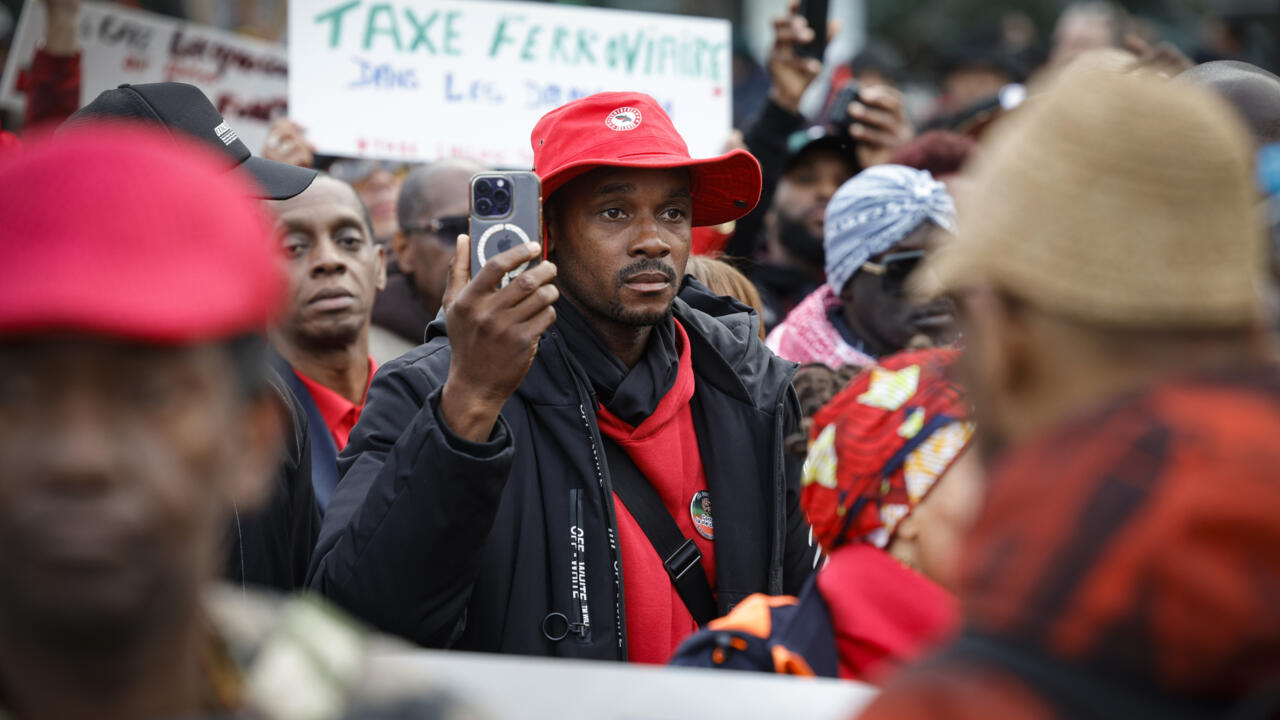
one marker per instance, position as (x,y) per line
(1116,199)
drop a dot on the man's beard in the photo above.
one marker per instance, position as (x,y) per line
(637,318)
(614,310)
(797,239)
(641,318)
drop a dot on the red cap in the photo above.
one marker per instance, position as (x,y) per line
(629,129)
(122,231)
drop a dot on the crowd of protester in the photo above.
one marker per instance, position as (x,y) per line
(979,410)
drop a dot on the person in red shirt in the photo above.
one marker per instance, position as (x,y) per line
(322,346)
(504,486)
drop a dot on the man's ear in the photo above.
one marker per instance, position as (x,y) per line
(264,421)
(1017,345)
(549,229)
(381,281)
(400,251)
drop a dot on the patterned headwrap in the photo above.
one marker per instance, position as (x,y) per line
(874,210)
(876,450)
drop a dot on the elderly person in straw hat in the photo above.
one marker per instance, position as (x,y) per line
(878,227)
(1127,560)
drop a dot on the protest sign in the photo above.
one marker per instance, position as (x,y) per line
(424,79)
(246,79)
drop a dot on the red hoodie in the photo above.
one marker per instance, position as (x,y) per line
(665,448)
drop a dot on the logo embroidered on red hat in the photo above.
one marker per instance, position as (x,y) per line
(622,119)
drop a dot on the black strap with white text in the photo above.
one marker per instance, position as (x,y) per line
(680,555)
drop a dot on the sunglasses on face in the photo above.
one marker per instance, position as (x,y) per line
(895,268)
(446,228)
(355,171)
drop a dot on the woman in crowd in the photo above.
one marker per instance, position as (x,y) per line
(890,489)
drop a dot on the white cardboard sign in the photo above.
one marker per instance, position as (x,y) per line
(246,79)
(425,79)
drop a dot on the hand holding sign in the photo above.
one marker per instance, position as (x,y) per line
(287,143)
(60,30)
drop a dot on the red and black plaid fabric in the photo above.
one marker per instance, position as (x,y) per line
(1136,550)
(1145,538)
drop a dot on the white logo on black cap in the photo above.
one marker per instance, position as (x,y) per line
(225,133)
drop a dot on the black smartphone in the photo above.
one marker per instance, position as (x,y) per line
(838,118)
(506,211)
(815,13)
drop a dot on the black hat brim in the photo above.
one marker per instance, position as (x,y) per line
(279,181)
(829,144)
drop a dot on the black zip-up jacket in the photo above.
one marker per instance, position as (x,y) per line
(510,545)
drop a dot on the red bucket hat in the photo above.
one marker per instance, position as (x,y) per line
(630,129)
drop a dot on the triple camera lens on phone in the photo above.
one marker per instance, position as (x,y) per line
(491,197)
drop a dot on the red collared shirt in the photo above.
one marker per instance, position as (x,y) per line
(339,413)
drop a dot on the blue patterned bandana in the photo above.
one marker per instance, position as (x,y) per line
(874,210)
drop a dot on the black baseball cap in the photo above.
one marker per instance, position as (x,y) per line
(182,107)
(820,139)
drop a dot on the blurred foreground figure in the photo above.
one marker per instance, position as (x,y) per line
(890,491)
(271,546)
(1127,560)
(131,425)
(136,422)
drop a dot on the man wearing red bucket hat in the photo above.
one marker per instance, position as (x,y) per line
(587,462)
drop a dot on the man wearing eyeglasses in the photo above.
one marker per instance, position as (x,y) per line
(432,213)
(878,227)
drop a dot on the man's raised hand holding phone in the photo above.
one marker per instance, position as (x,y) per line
(493,332)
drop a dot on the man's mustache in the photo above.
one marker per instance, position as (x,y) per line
(644,266)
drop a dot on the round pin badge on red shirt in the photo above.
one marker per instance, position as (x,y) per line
(700,511)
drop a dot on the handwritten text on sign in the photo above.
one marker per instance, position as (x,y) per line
(425,79)
(246,79)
